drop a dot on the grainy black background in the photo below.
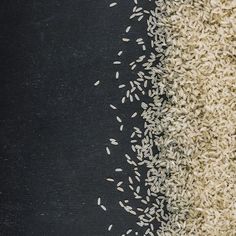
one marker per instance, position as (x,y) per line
(54,123)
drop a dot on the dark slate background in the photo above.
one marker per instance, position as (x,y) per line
(54,123)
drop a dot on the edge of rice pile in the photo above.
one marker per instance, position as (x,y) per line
(199,142)
(191,121)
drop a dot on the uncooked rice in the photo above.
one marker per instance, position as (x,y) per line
(187,145)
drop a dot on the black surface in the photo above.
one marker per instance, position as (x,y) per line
(54,122)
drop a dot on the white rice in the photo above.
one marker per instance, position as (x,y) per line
(103,208)
(126,39)
(113,4)
(97,83)
(113,107)
(108,151)
(99,201)
(128,29)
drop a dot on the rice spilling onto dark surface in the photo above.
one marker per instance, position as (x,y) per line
(187,146)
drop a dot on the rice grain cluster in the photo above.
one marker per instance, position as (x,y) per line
(188,142)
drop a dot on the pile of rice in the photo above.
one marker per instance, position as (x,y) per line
(191,179)
(195,128)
